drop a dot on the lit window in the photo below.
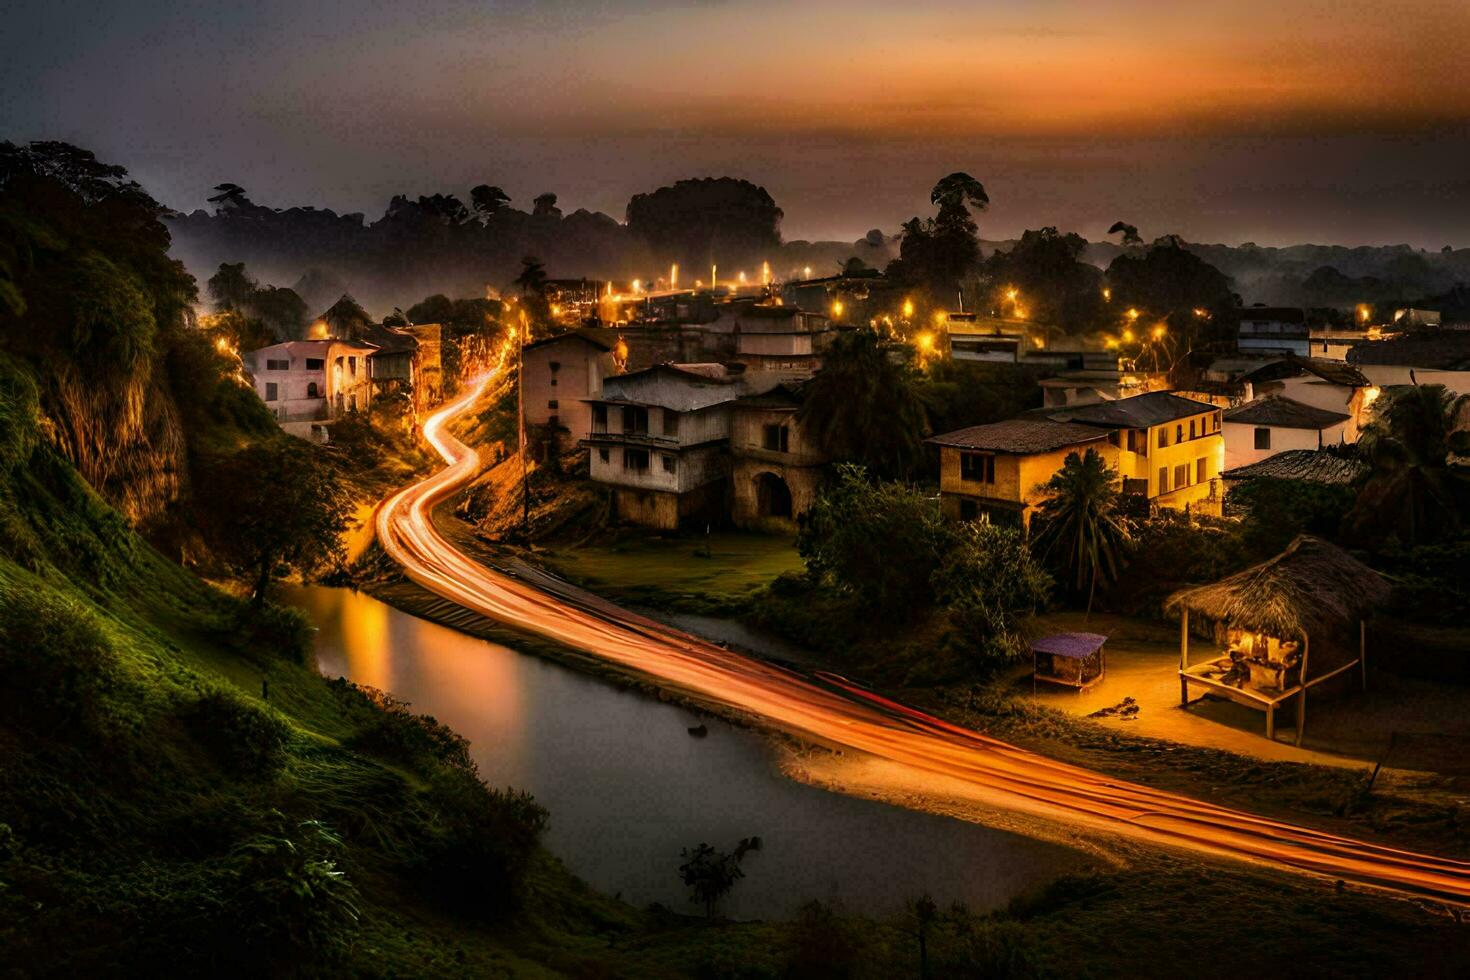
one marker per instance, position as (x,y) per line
(977,467)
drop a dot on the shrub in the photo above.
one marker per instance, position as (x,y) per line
(395,732)
(55,660)
(281,630)
(992,584)
(822,945)
(242,737)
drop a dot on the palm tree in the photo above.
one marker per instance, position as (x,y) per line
(1080,520)
(1412,490)
(1130,233)
(532,279)
(863,406)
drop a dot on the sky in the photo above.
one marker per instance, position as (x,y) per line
(1273,121)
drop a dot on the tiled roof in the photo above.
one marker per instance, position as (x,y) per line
(1285,412)
(1138,412)
(1314,465)
(1021,435)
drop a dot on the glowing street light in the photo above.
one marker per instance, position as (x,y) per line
(806,272)
(1159,332)
(1127,336)
(908,308)
(742,278)
(1132,314)
(674,276)
(637,285)
(1107,295)
(837,307)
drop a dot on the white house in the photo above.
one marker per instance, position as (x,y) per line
(558,375)
(1266,426)
(307,383)
(659,439)
(1273,330)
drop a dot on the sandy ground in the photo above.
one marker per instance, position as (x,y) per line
(1427,725)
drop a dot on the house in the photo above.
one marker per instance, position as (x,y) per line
(558,376)
(1273,330)
(1422,357)
(306,383)
(995,472)
(1307,465)
(774,338)
(408,359)
(775,465)
(1268,425)
(992,339)
(1326,384)
(658,440)
(1170,449)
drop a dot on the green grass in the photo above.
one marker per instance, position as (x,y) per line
(720,569)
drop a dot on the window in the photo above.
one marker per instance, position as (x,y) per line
(273,364)
(1263,438)
(1163,437)
(668,462)
(635,419)
(555,367)
(599,419)
(311,390)
(352,366)
(977,467)
(776,438)
(1138,442)
(1199,470)
(602,455)
(1181,475)
(635,460)
(553,382)
(1163,479)
(1191,429)
(552,404)
(271,392)
(1179,433)
(671,422)
(1216,418)
(315,364)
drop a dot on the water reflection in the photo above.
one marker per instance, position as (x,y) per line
(627,786)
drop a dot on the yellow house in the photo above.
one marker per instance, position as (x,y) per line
(995,472)
(1167,449)
(1170,448)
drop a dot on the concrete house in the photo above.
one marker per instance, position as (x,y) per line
(306,383)
(1424,357)
(658,439)
(775,466)
(559,375)
(1170,450)
(1261,428)
(1273,330)
(995,472)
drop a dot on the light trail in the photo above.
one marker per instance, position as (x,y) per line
(828,709)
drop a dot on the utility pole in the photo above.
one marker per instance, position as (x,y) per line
(521,426)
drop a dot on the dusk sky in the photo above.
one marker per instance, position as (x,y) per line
(1275,121)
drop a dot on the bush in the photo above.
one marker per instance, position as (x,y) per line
(1173,549)
(55,661)
(992,585)
(823,945)
(1276,511)
(285,631)
(243,738)
(395,732)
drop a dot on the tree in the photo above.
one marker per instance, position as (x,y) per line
(1129,232)
(532,279)
(877,542)
(1412,491)
(1168,279)
(229,196)
(1080,522)
(711,874)
(346,318)
(935,255)
(695,222)
(545,206)
(488,200)
(863,406)
(273,508)
(991,583)
(231,287)
(1046,269)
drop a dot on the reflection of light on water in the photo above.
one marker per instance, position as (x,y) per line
(365,641)
(470,678)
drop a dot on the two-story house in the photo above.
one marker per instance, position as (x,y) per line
(658,439)
(559,374)
(1170,450)
(995,472)
(1273,330)
(306,383)
(1273,423)
(776,467)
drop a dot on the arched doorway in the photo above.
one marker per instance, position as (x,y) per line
(773,496)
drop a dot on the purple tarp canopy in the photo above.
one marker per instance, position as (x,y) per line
(1074,645)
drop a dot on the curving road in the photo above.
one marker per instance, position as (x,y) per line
(827,709)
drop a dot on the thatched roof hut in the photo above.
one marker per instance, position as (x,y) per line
(1313,587)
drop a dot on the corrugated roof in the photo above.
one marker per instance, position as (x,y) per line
(1021,435)
(1285,412)
(1311,465)
(1444,350)
(1075,646)
(1137,412)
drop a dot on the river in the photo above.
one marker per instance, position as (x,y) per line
(628,786)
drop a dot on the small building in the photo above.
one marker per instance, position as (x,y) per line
(776,467)
(1420,357)
(776,338)
(307,383)
(408,359)
(990,339)
(1169,449)
(1266,426)
(1273,330)
(658,439)
(559,375)
(1280,628)
(1076,660)
(995,472)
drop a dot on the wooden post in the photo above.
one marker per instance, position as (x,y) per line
(1271,722)
(1183,655)
(1363,650)
(1301,699)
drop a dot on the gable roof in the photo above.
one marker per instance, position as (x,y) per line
(1445,350)
(1137,412)
(1311,465)
(567,337)
(1020,435)
(685,391)
(1333,372)
(1288,413)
